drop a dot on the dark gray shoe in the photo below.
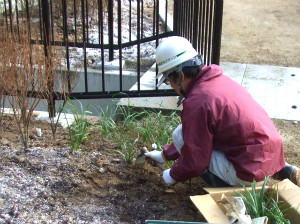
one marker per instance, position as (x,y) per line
(297,177)
(289,172)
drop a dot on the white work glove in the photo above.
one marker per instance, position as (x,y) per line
(167,177)
(178,138)
(155,155)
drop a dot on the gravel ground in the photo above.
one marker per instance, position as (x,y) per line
(32,191)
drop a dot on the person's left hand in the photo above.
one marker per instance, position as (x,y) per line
(167,177)
(156,156)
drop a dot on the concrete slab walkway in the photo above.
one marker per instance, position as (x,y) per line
(276,88)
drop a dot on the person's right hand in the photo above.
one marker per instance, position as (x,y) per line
(155,155)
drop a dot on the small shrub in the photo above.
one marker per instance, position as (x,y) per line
(22,77)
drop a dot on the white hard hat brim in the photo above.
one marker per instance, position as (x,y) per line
(162,79)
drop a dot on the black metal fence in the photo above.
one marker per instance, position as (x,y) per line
(114,26)
(201,22)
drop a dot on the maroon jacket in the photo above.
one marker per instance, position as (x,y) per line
(220,114)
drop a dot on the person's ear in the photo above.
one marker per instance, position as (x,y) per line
(183,76)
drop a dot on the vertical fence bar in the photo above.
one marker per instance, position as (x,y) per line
(196,24)
(66,39)
(120,43)
(138,44)
(5,12)
(46,26)
(184,27)
(99,20)
(29,28)
(130,20)
(157,33)
(181,21)
(206,32)
(110,29)
(28,20)
(100,15)
(175,16)
(87,20)
(52,22)
(157,18)
(210,31)
(142,18)
(17,14)
(166,17)
(217,31)
(10,15)
(154,17)
(186,18)
(192,10)
(188,12)
(181,18)
(201,39)
(192,20)
(84,46)
(75,21)
(41,25)
(46,34)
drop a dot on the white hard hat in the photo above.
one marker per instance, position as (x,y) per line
(172,52)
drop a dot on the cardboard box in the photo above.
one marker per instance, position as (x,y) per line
(213,211)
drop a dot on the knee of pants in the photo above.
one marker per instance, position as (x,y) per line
(178,138)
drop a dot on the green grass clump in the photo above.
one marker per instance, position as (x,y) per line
(158,128)
(137,129)
(127,151)
(264,203)
(107,123)
(79,129)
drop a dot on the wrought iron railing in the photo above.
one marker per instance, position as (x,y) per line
(113,26)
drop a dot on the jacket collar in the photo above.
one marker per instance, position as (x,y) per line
(206,73)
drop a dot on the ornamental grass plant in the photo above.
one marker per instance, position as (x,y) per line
(264,202)
(79,130)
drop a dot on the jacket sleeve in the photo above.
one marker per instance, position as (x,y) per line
(170,152)
(197,122)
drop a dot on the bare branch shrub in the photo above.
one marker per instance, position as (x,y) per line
(2,102)
(22,77)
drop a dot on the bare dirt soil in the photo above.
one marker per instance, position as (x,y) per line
(51,184)
(261,32)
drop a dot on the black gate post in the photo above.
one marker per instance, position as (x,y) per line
(46,32)
(217,31)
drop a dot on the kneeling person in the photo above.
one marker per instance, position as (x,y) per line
(226,136)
